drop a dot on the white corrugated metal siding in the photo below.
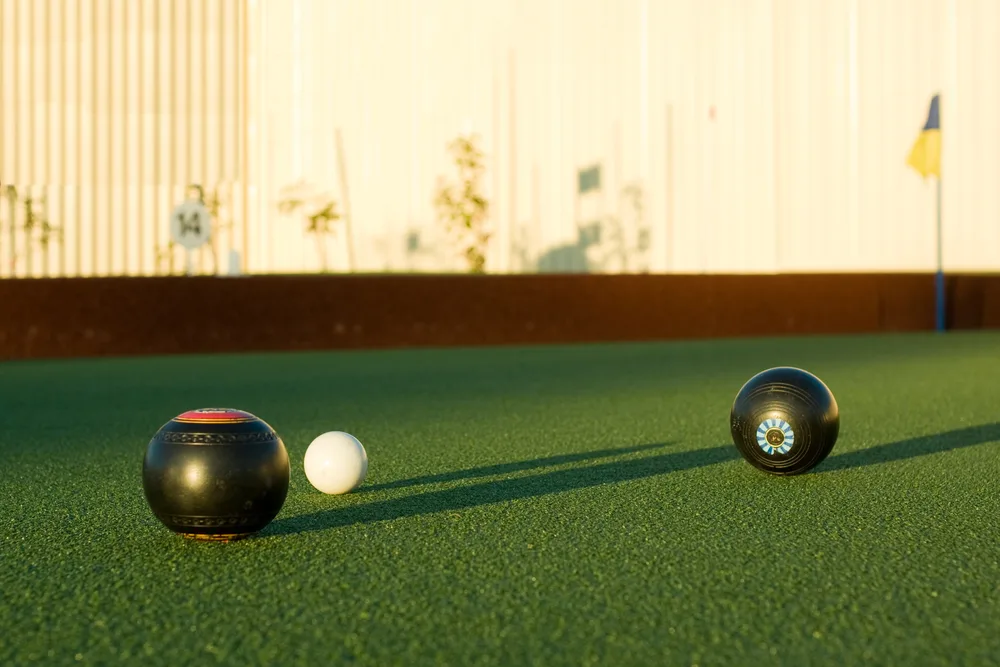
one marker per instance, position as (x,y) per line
(766,135)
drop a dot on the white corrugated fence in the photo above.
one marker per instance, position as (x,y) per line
(728,135)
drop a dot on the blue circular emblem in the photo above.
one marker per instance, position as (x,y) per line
(775,436)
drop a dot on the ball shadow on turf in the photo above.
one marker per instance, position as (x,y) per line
(913,447)
(486,493)
(506,468)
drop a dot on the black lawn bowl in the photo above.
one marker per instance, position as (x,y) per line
(216,474)
(785,421)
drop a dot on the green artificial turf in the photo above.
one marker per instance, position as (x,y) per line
(547,506)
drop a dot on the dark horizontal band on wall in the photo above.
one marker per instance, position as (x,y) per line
(65,317)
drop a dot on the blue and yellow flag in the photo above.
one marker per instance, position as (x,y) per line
(925,156)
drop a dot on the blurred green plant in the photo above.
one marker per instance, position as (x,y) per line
(634,219)
(461,206)
(164,254)
(37,228)
(319,211)
(214,203)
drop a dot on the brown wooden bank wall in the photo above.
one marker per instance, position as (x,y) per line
(51,318)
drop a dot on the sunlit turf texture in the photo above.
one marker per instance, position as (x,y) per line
(547,505)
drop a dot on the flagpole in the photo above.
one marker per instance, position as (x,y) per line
(941,325)
(925,157)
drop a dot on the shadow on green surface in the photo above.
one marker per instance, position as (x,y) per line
(914,447)
(505,468)
(486,493)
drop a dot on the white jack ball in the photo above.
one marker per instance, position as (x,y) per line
(336,462)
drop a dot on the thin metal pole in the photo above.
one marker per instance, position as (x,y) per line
(512,149)
(140,208)
(15,122)
(94,152)
(174,114)
(942,324)
(505,260)
(245,159)
(189,113)
(222,168)
(158,212)
(46,159)
(63,101)
(126,137)
(347,202)
(3,186)
(670,186)
(110,218)
(78,245)
(29,187)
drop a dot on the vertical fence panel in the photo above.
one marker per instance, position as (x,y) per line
(131,155)
(125,184)
(173,136)
(6,169)
(19,123)
(223,234)
(111,109)
(250,28)
(96,177)
(57,133)
(80,182)
(206,113)
(161,167)
(30,100)
(8,147)
(113,218)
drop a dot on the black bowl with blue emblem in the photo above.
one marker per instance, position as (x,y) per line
(785,421)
